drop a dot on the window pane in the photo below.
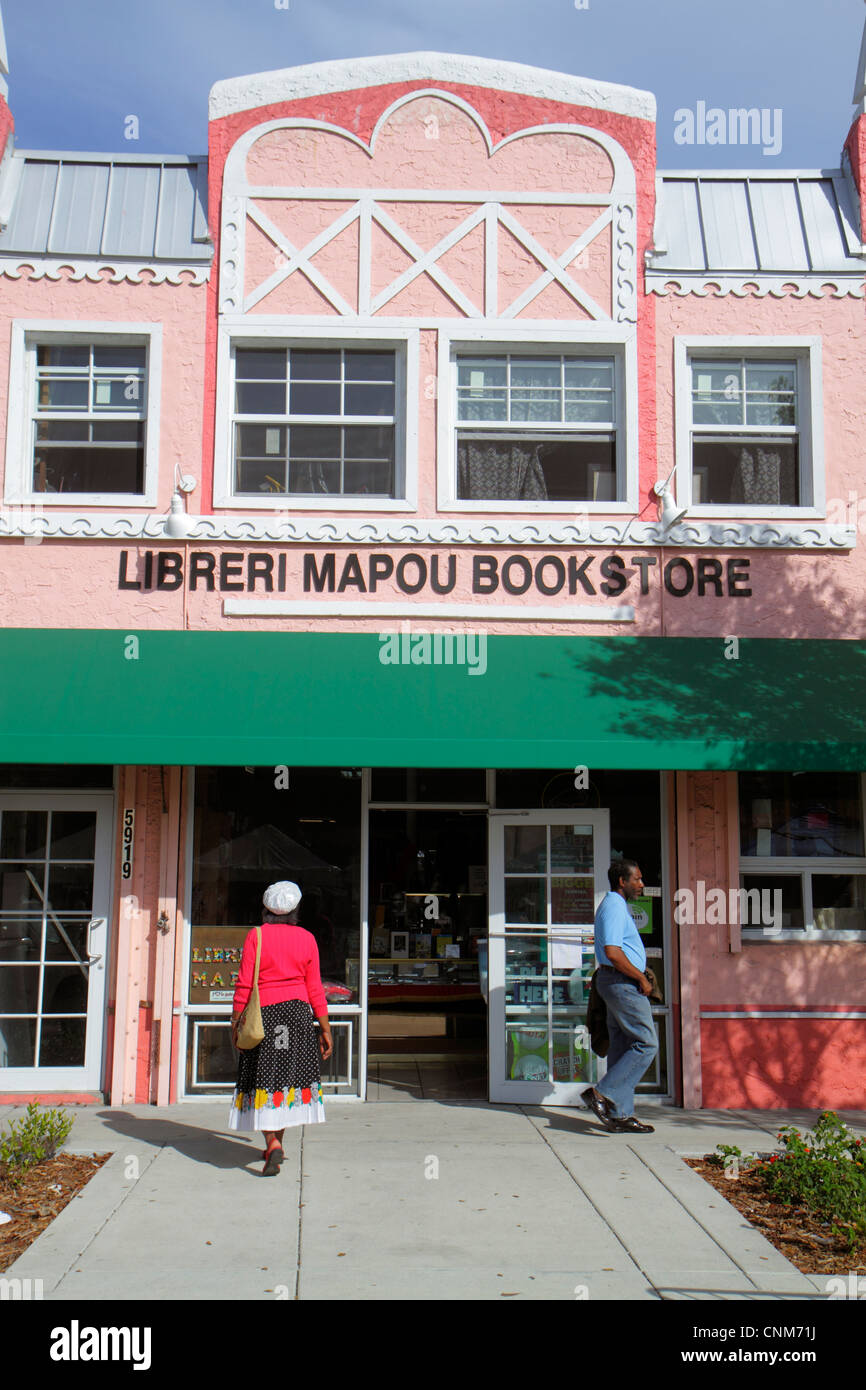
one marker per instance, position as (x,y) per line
(370,366)
(362,442)
(63,355)
(21,886)
(481,405)
(19,989)
(115,431)
(17,1042)
(260,364)
(367,479)
(369,399)
(750,471)
(806,814)
(839,902)
(62,393)
(315,365)
(314,475)
(20,940)
(23,834)
(261,441)
(63,1042)
(779,901)
(428,784)
(260,398)
(525,849)
(118,393)
(62,430)
(64,989)
(89,470)
(119,356)
(314,398)
(536,405)
(525,900)
(259,475)
(73,834)
(477,374)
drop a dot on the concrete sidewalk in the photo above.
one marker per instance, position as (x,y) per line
(424,1201)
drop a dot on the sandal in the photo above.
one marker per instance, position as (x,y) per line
(272,1162)
(277,1149)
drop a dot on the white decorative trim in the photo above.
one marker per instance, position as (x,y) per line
(502,612)
(489,209)
(757,286)
(350,74)
(56,268)
(25,523)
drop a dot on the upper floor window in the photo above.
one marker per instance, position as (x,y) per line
(745,432)
(87,427)
(321,421)
(538,428)
(89,418)
(749,426)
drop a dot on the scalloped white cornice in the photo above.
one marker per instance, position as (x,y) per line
(53,268)
(780,286)
(237,94)
(718,535)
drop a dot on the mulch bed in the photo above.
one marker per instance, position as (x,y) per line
(41,1195)
(800,1235)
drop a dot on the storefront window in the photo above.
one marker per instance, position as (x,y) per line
(251,829)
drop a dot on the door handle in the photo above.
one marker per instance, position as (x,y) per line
(94,922)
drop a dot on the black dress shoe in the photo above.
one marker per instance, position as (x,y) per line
(599,1105)
(631,1126)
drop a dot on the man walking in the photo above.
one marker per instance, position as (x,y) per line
(622,984)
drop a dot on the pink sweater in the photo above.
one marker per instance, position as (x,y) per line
(289,968)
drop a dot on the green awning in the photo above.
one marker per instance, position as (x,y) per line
(327,699)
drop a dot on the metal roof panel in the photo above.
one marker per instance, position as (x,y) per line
(727,225)
(778,228)
(130,222)
(79,210)
(131,207)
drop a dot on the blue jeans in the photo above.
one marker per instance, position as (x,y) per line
(633,1039)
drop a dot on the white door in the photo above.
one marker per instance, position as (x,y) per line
(548,873)
(54,906)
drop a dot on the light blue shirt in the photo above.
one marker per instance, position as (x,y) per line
(614,926)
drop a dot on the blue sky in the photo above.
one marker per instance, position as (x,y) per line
(78,70)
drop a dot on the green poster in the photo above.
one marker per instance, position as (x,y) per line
(641,910)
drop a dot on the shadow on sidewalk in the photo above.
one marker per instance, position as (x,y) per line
(201,1145)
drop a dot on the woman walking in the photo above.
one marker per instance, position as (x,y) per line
(279,1081)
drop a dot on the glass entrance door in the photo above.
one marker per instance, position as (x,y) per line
(54,904)
(548,875)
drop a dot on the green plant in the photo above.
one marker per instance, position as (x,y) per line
(34,1138)
(823,1170)
(725,1151)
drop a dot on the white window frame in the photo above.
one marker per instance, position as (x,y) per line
(27,335)
(805,353)
(602,340)
(803,868)
(405,343)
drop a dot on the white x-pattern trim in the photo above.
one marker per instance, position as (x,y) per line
(242,202)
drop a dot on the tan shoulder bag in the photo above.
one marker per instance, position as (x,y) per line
(250,1030)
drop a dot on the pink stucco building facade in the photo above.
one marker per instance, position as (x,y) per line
(423,497)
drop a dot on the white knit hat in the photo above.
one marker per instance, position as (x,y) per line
(281,898)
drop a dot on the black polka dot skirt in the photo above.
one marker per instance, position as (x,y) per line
(279,1081)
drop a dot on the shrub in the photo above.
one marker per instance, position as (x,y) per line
(32,1139)
(824,1171)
